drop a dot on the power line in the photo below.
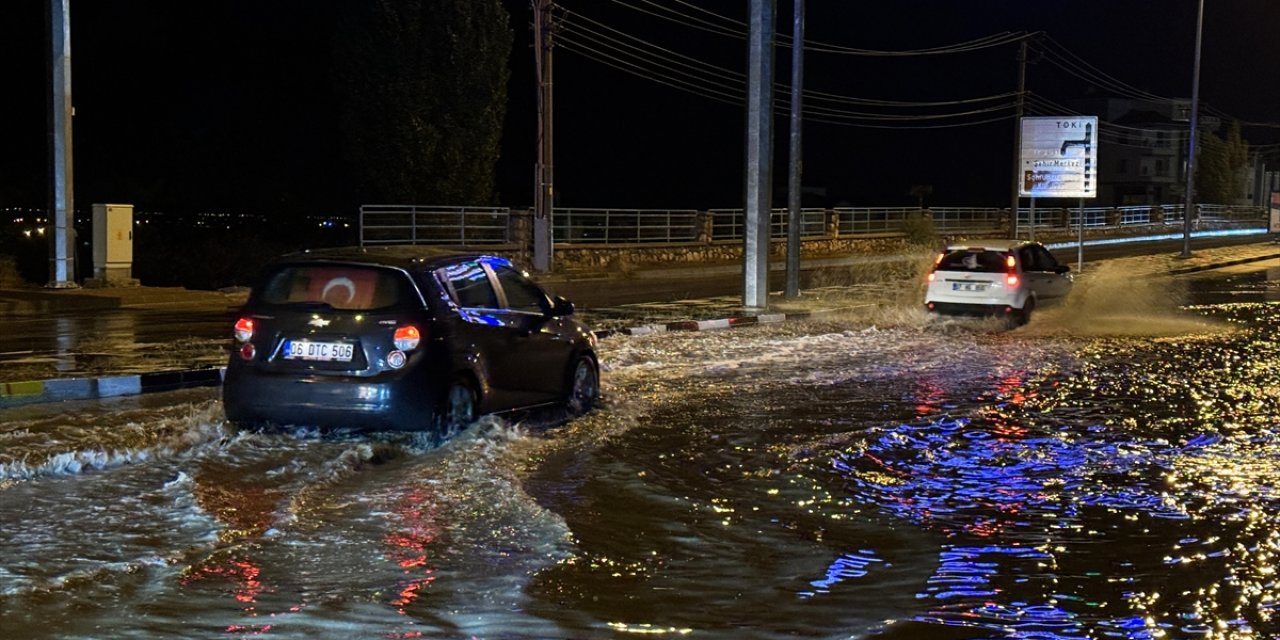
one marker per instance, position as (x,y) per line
(737,30)
(602,43)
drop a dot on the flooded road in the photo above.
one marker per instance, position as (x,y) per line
(1107,471)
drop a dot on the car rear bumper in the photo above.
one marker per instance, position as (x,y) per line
(970,309)
(254,398)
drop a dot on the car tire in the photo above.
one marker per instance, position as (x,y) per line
(582,386)
(1023,315)
(457,409)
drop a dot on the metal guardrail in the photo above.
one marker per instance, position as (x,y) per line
(455,226)
(410,224)
(954,220)
(730,224)
(1098,217)
(625,226)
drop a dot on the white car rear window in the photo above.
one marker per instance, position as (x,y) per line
(975,261)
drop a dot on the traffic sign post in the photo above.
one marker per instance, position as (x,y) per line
(1059,157)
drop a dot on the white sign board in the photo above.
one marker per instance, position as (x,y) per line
(1059,157)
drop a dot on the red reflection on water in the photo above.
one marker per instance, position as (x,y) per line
(241,573)
(410,546)
(246,510)
(1011,387)
(929,396)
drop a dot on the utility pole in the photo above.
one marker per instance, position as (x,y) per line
(759,179)
(1017,138)
(794,180)
(61,202)
(544,176)
(1189,209)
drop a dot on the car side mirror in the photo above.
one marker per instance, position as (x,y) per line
(561,307)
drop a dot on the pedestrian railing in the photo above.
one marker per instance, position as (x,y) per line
(459,226)
(625,226)
(730,224)
(410,224)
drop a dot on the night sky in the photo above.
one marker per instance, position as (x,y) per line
(230,105)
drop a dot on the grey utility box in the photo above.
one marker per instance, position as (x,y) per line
(112,246)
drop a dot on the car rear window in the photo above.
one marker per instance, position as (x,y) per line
(347,287)
(978,261)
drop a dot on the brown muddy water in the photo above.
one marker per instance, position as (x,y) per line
(1107,471)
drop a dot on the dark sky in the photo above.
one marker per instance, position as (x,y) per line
(229,105)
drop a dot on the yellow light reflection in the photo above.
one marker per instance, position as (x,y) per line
(648,629)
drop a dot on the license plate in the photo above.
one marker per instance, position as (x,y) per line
(322,351)
(968,286)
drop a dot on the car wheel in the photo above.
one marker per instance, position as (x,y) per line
(1023,316)
(584,386)
(457,411)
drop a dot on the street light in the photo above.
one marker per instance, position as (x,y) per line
(1191,140)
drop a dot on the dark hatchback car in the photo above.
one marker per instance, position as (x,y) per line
(403,339)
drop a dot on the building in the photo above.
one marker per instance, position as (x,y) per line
(1142,153)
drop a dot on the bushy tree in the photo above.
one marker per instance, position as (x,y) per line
(920,192)
(424,90)
(1222,166)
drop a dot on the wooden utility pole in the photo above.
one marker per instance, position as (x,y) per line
(544,175)
(61,201)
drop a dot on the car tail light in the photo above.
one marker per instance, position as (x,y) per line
(244,329)
(932,275)
(937,260)
(247,352)
(407,338)
(1011,271)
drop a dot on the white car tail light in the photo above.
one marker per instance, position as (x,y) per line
(1011,271)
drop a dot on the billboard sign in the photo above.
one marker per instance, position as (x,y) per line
(1059,157)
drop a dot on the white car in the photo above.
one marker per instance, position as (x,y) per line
(1008,278)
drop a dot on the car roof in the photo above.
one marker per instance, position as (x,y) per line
(408,257)
(996,244)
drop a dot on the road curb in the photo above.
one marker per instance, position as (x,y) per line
(1220,265)
(14,394)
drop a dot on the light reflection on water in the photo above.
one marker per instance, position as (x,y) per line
(817,480)
(1137,498)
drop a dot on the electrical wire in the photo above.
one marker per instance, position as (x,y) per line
(812,113)
(601,43)
(642,58)
(738,30)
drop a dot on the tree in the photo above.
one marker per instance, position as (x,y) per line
(920,192)
(424,92)
(1222,166)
